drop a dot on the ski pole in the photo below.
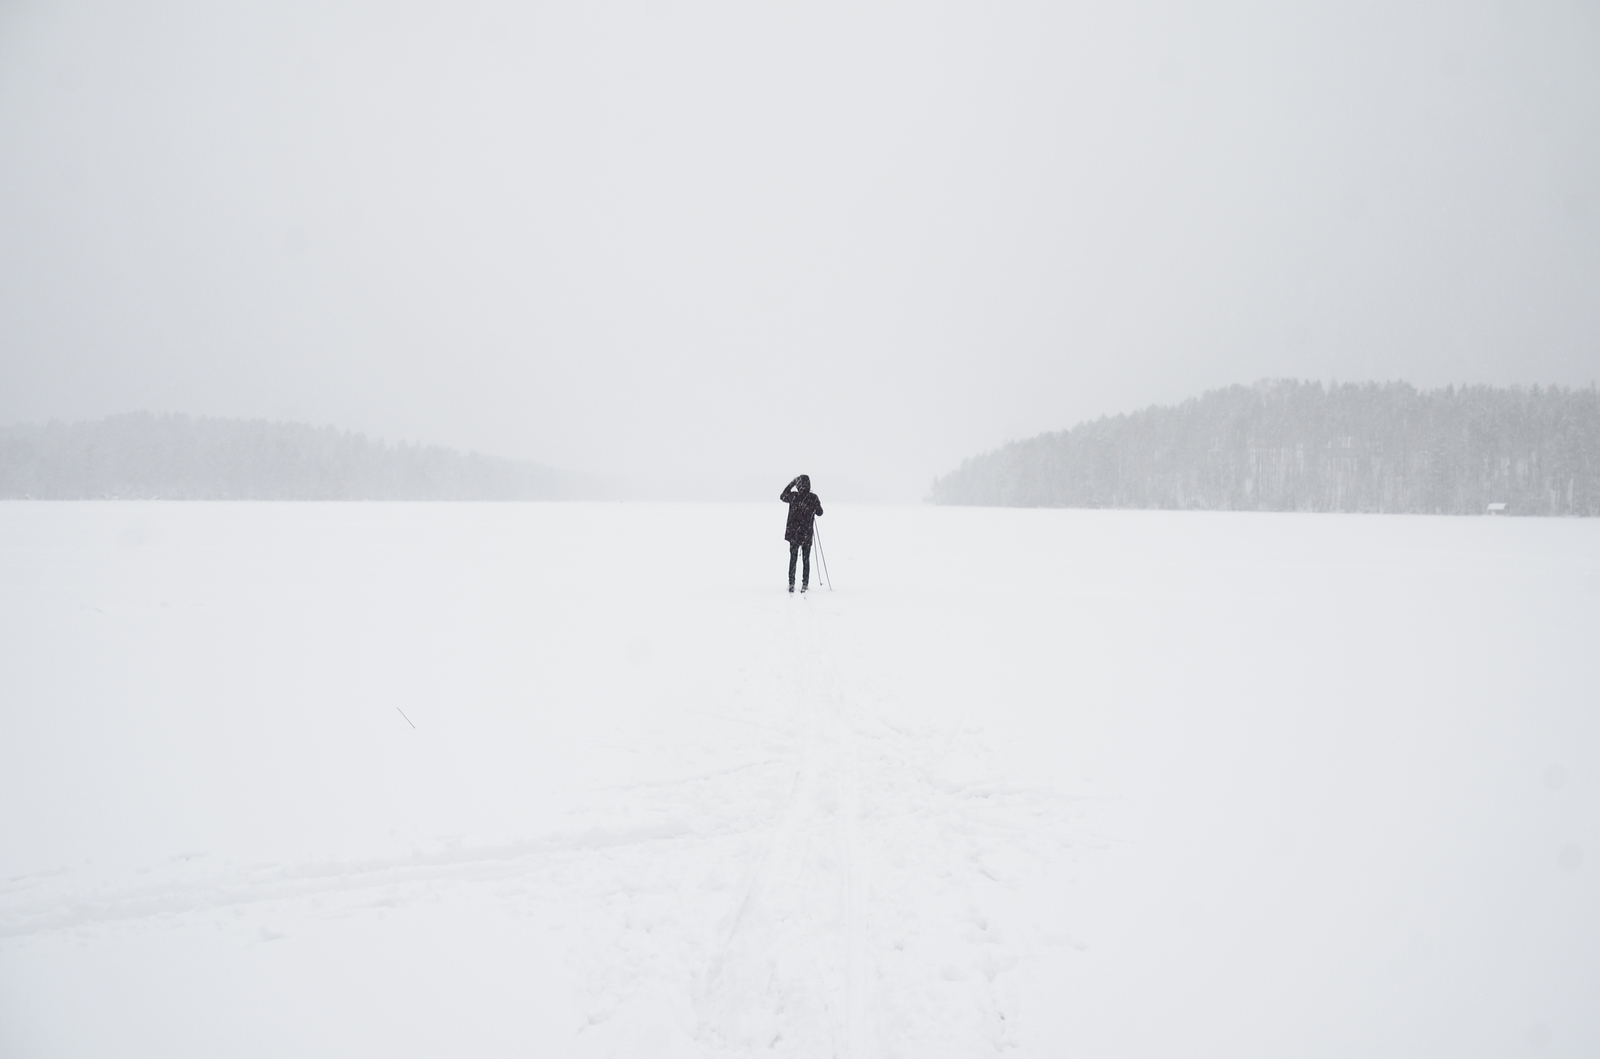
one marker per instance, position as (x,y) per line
(817,532)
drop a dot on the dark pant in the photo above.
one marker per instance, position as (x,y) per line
(800,548)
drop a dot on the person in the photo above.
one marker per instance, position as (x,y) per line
(803,508)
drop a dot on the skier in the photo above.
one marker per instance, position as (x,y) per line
(803,507)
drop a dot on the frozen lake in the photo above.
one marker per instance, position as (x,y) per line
(582,779)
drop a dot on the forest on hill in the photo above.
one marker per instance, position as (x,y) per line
(179,457)
(1286,445)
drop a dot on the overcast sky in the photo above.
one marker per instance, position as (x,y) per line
(713,246)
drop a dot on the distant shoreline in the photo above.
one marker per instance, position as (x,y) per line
(179,457)
(1286,445)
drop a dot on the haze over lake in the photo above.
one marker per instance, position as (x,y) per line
(687,244)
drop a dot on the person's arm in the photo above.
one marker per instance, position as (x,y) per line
(787,496)
(818,504)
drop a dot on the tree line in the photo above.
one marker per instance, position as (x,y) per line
(1286,445)
(179,457)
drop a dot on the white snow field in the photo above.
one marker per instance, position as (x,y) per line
(402,780)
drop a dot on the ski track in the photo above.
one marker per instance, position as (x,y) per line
(843,900)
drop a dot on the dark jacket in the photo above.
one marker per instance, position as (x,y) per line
(803,507)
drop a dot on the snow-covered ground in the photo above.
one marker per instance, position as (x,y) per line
(582,780)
